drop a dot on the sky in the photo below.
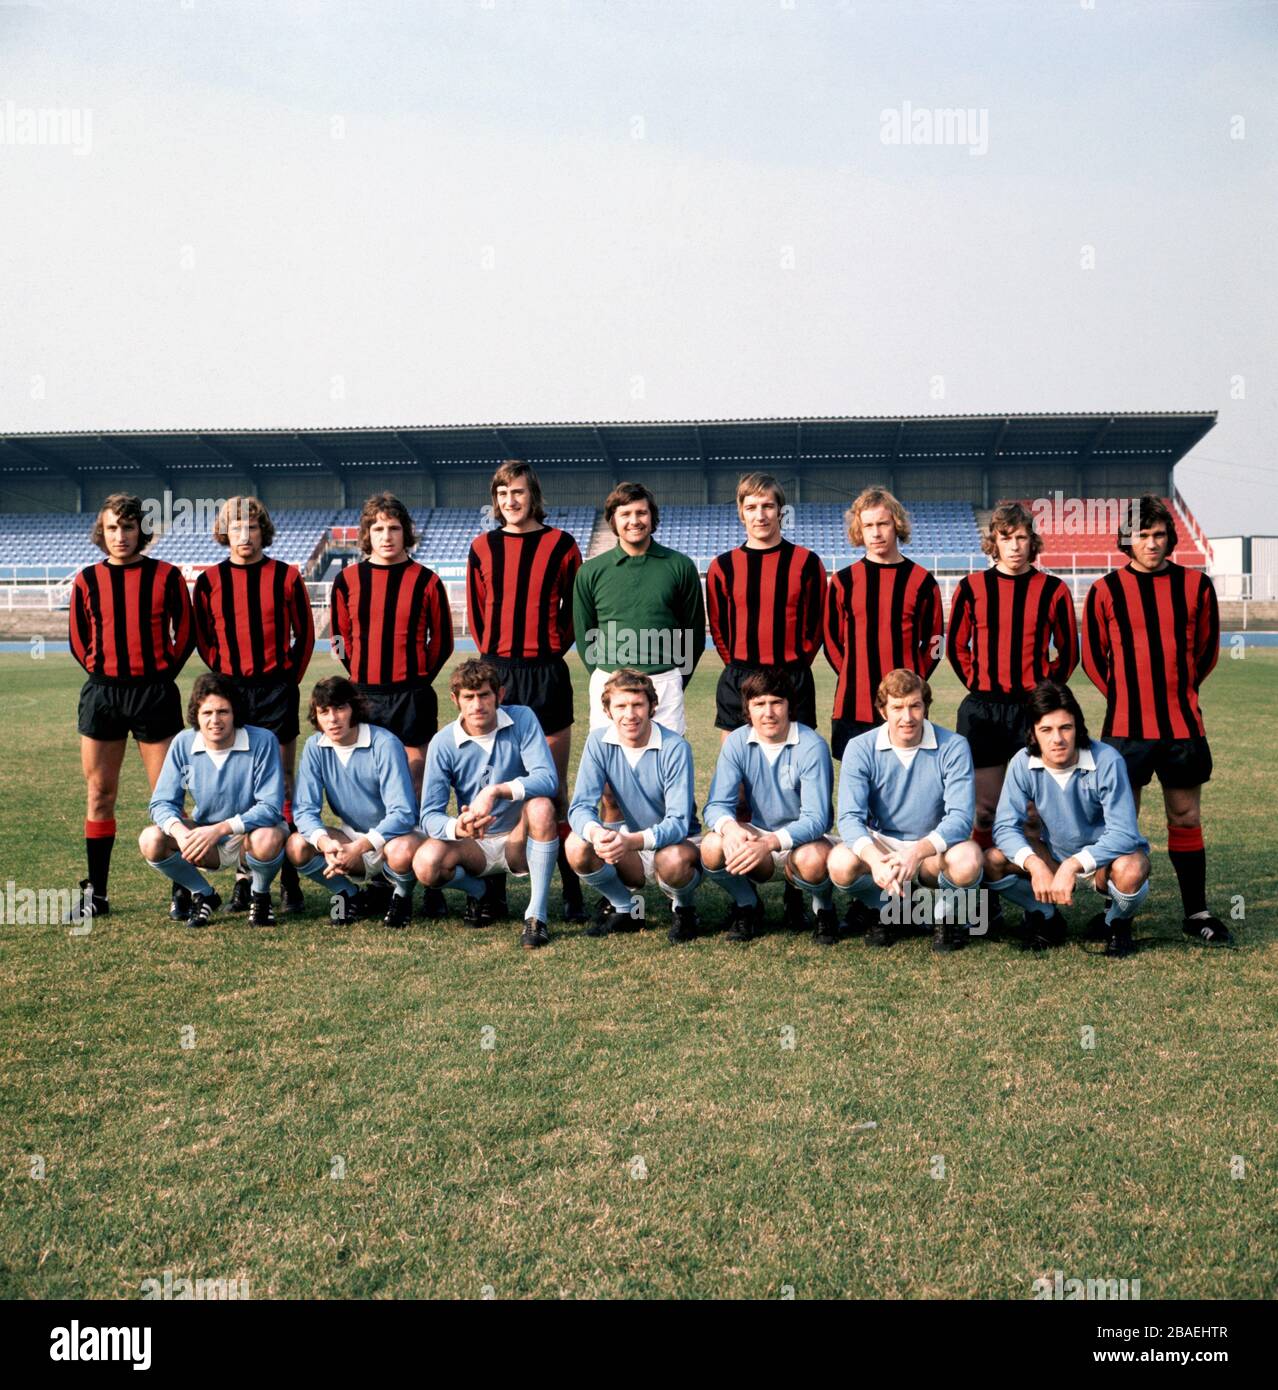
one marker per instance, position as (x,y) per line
(275,214)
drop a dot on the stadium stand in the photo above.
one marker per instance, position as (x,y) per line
(946,537)
(297,532)
(448,535)
(38,543)
(445,533)
(945,533)
(1085,540)
(948,469)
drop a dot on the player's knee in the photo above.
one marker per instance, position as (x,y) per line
(963,863)
(581,856)
(541,818)
(299,850)
(1129,872)
(675,864)
(984,818)
(153,843)
(399,853)
(1185,818)
(843,866)
(265,843)
(808,862)
(997,864)
(428,863)
(102,793)
(712,851)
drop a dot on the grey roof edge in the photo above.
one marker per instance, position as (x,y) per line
(287,430)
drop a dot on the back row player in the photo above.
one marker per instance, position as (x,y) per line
(1011,627)
(765,602)
(393,631)
(253,625)
(519,595)
(131,630)
(884,613)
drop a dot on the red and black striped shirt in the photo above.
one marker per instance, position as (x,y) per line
(519,592)
(765,607)
(254,621)
(1001,629)
(131,623)
(880,618)
(393,622)
(1149,642)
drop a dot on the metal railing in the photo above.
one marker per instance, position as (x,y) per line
(50,597)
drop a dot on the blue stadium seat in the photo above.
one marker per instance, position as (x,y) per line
(944,529)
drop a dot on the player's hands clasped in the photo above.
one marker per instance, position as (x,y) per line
(471,825)
(610,845)
(198,841)
(342,857)
(744,848)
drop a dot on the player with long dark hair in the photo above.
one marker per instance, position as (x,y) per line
(131,630)
(1151,636)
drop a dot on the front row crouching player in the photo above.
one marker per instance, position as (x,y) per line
(787,774)
(364,771)
(498,762)
(906,802)
(649,769)
(236,781)
(1089,829)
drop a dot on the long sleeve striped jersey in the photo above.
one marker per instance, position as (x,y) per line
(254,621)
(880,618)
(519,592)
(766,607)
(393,622)
(1003,627)
(131,623)
(1149,642)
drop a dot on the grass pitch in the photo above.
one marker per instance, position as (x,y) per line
(351,1112)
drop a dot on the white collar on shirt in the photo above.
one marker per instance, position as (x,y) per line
(241,744)
(883,739)
(363,739)
(460,736)
(611,735)
(1086,762)
(790,739)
